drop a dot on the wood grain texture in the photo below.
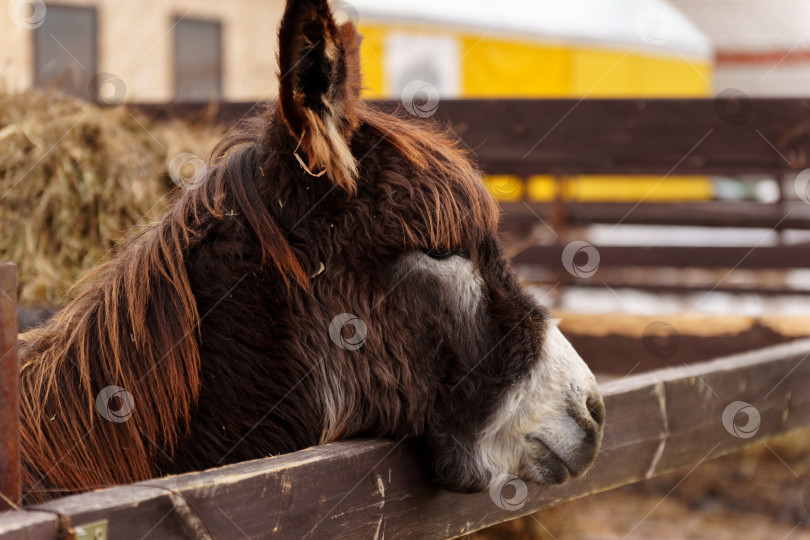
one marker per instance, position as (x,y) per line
(788,215)
(758,257)
(656,421)
(622,344)
(10,477)
(632,136)
(28,525)
(604,136)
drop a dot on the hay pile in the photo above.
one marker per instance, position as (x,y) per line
(74,178)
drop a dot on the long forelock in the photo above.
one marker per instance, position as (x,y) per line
(456,201)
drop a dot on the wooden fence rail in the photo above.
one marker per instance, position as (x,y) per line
(665,137)
(784,215)
(605,136)
(761,258)
(656,422)
(10,480)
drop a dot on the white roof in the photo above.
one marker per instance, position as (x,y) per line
(752,25)
(648,25)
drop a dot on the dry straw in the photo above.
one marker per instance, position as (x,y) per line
(74,178)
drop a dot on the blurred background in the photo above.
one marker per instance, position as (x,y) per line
(84,158)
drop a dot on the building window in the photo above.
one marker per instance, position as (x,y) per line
(197,60)
(65,49)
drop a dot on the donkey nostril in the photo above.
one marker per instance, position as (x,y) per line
(597,409)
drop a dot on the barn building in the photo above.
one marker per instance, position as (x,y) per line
(159,50)
(193,50)
(762,48)
(167,50)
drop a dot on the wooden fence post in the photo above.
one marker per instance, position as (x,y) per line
(10,479)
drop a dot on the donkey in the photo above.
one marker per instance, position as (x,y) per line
(335,274)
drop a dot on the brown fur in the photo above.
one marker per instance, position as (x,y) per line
(216,318)
(320,87)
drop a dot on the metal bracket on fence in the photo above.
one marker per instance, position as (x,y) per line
(92,531)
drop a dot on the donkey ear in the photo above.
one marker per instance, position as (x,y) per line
(319,87)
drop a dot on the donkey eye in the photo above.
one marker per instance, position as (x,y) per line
(440,254)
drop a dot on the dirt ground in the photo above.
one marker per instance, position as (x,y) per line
(761,493)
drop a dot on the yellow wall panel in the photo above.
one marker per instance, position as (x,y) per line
(541,188)
(604,73)
(505,188)
(637,188)
(372,65)
(511,69)
(604,189)
(497,67)
(674,77)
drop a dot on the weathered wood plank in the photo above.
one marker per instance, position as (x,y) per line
(28,525)
(627,343)
(759,257)
(632,136)
(10,474)
(656,422)
(790,215)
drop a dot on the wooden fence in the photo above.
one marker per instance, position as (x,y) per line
(656,421)
(604,136)
(665,137)
(10,487)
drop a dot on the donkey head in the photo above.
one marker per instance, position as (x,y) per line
(412,318)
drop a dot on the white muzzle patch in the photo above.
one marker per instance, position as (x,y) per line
(549,426)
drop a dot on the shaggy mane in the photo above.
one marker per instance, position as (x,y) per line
(134,320)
